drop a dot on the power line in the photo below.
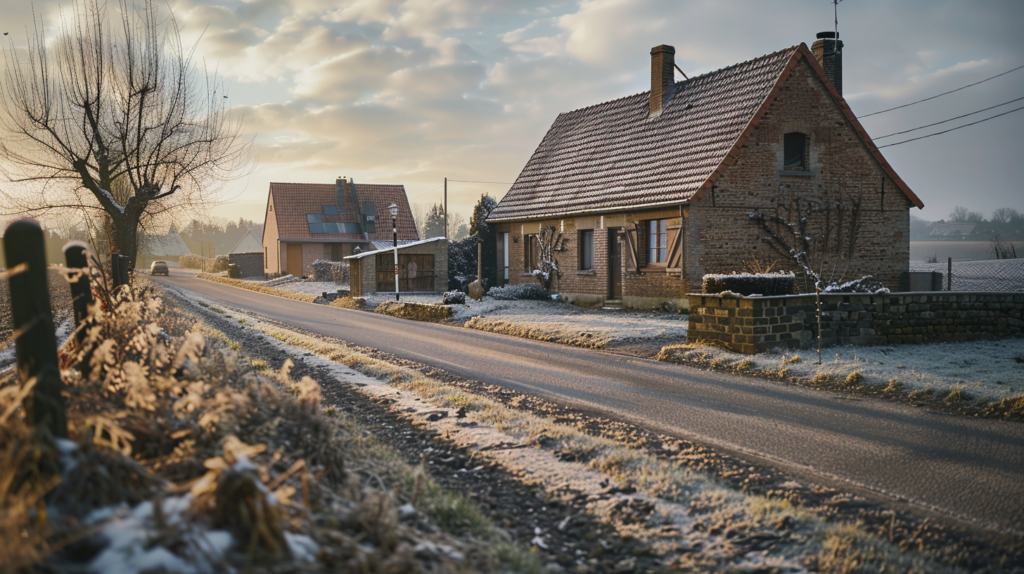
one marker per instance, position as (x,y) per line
(942,94)
(950,119)
(953,129)
(426,192)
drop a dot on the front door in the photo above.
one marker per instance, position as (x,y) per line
(614,264)
(293,259)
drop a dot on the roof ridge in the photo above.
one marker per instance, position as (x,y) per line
(702,76)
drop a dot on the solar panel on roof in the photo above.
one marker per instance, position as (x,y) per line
(330,210)
(314,218)
(316,228)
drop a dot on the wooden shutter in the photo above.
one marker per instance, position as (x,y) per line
(630,249)
(673,228)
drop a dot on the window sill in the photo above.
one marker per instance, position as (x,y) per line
(586,272)
(797,173)
(526,274)
(653,269)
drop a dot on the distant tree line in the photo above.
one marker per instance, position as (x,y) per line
(1006,222)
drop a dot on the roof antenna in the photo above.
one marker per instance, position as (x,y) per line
(835,11)
(681,72)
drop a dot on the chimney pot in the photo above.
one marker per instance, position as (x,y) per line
(662,77)
(829,53)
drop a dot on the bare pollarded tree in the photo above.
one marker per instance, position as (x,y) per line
(819,232)
(115,118)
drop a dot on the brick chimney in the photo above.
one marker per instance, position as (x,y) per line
(339,193)
(829,53)
(663,60)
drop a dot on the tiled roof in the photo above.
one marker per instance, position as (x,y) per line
(615,156)
(293,201)
(169,245)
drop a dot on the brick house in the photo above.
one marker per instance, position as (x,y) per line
(652,191)
(309,221)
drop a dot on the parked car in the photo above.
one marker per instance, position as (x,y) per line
(159,268)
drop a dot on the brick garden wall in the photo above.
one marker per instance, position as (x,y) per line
(756,324)
(250,264)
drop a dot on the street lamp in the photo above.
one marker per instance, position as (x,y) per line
(394,234)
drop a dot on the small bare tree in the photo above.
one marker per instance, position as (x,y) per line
(819,233)
(115,119)
(1002,249)
(549,242)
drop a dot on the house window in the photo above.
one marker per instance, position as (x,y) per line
(330,210)
(531,252)
(657,242)
(586,255)
(795,151)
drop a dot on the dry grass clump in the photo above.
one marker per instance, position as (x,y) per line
(251,286)
(221,465)
(349,302)
(415,311)
(541,332)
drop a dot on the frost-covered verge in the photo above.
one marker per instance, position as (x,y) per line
(255,286)
(975,377)
(185,457)
(311,287)
(564,333)
(692,522)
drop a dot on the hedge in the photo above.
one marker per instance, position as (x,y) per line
(252,286)
(336,271)
(765,284)
(519,291)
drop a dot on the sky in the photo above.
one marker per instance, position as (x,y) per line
(413,91)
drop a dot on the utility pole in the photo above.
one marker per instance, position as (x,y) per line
(446,207)
(394,234)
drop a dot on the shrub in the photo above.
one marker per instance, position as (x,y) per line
(766,284)
(192,261)
(336,271)
(220,263)
(519,292)
(462,262)
(854,378)
(453,298)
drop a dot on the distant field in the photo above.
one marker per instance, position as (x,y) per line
(958,250)
(60,301)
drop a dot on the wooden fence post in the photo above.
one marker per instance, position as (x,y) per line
(115,271)
(81,290)
(34,337)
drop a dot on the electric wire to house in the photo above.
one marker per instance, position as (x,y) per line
(952,119)
(942,94)
(952,129)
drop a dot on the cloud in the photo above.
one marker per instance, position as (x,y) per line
(414,90)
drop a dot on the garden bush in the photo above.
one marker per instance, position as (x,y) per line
(519,292)
(766,284)
(326,270)
(453,298)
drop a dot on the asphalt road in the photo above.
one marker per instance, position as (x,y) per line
(964,467)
